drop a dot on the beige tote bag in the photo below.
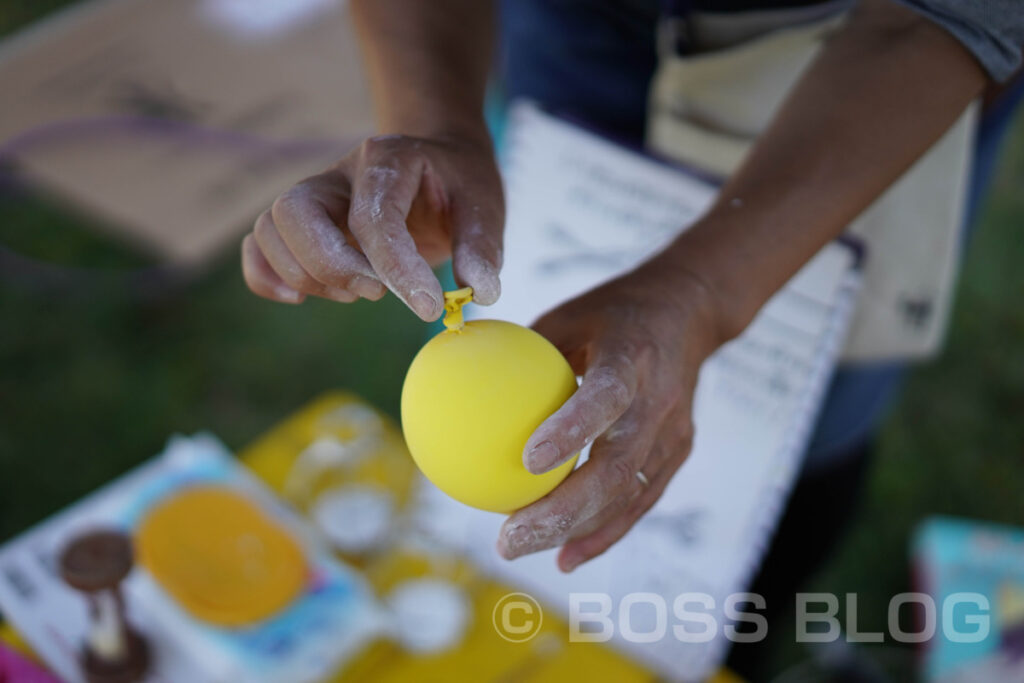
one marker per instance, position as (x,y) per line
(707,109)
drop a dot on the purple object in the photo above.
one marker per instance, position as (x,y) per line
(16,669)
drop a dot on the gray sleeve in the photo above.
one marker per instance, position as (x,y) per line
(993,30)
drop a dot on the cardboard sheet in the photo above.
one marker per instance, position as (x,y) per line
(177,121)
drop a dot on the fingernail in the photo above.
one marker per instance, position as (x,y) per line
(487,288)
(341,295)
(424,305)
(365,287)
(288,294)
(542,457)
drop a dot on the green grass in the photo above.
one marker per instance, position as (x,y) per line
(94,377)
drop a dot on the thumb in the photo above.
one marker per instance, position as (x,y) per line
(477,232)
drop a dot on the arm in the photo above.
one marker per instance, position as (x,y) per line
(880,93)
(883,90)
(403,202)
(428,64)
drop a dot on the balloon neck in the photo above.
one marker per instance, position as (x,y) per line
(453,303)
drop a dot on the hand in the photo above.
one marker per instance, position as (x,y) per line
(381,218)
(639,342)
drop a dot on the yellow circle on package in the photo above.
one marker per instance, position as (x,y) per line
(221,557)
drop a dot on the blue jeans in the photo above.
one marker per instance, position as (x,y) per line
(594,61)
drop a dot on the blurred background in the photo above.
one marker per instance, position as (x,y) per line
(105,350)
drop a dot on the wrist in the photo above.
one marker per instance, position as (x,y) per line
(711,282)
(690,300)
(443,126)
(465,130)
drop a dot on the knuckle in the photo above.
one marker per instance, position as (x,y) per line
(263,227)
(392,216)
(683,430)
(284,206)
(379,157)
(383,171)
(642,349)
(618,393)
(263,221)
(338,294)
(561,521)
(300,282)
(677,446)
(604,379)
(371,211)
(370,148)
(321,272)
(623,429)
(675,451)
(567,432)
(389,264)
(621,473)
(374,146)
(291,206)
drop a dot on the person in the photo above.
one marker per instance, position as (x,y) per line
(883,89)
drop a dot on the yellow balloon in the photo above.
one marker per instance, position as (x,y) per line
(472,397)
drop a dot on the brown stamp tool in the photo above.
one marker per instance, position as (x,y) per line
(96,563)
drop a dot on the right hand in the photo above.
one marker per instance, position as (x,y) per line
(381,219)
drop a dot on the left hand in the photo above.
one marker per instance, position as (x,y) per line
(639,342)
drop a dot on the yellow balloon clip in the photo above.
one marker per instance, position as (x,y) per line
(453,303)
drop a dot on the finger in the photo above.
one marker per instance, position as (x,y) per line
(555,518)
(587,547)
(287,267)
(261,278)
(332,192)
(382,194)
(672,447)
(607,478)
(607,389)
(659,451)
(477,250)
(317,244)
